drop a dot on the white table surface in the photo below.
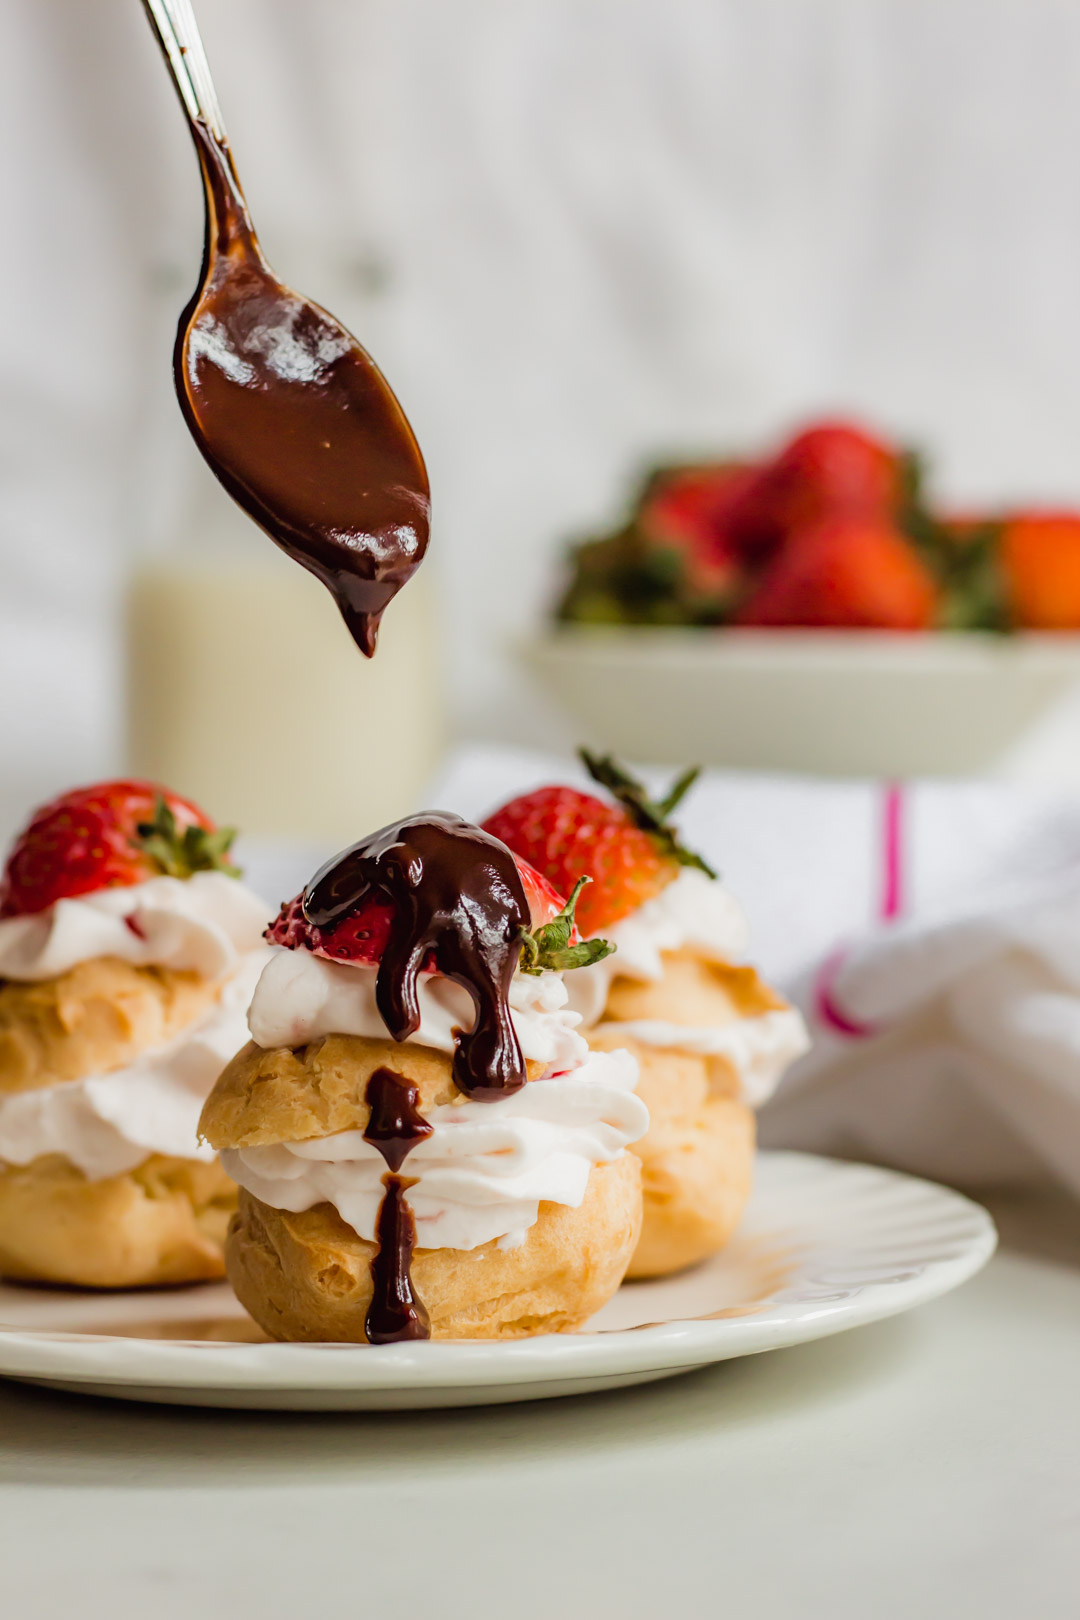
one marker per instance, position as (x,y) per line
(928,1466)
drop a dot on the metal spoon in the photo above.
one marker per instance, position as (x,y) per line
(291,413)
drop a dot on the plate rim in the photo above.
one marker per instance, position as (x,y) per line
(83,1358)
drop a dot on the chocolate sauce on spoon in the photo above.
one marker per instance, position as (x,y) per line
(290,412)
(394,1126)
(459,905)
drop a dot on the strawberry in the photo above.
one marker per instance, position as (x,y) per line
(688,509)
(830,470)
(110,835)
(363,937)
(1040,562)
(845,573)
(545,901)
(627,848)
(673,562)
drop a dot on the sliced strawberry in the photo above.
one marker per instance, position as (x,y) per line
(363,937)
(846,573)
(626,848)
(110,835)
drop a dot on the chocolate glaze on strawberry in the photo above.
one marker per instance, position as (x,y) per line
(296,420)
(459,906)
(395,1125)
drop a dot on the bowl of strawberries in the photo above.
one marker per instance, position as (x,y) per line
(815,611)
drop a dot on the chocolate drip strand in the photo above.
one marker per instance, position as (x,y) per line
(394,1126)
(295,418)
(395,1313)
(459,906)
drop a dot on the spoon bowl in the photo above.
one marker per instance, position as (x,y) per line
(289,410)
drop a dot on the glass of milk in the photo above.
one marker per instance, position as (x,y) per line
(246,692)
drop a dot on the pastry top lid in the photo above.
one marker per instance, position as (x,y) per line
(264,1097)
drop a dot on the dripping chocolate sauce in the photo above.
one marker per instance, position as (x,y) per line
(295,419)
(459,906)
(394,1126)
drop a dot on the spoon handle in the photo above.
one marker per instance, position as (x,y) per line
(173,21)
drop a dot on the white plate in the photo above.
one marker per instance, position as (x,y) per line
(824,1246)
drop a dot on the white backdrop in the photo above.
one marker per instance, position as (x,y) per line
(573,232)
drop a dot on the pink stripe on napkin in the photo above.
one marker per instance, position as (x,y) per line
(892,895)
(826,1005)
(828,1010)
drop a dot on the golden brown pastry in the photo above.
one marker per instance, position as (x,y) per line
(128,953)
(99,1016)
(308,1275)
(461,1174)
(697,1157)
(711,1038)
(280,1095)
(163,1222)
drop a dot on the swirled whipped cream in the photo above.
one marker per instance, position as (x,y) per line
(759,1048)
(202,924)
(484,1170)
(693,911)
(302,997)
(107,1124)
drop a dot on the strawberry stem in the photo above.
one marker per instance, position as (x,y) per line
(181,854)
(549,948)
(651,817)
(677,792)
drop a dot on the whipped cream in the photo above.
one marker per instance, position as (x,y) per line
(698,913)
(202,924)
(107,1124)
(484,1170)
(693,911)
(302,997)
(758,1048)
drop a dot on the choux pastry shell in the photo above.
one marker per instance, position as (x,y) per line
(163,1222)
(307,1276)
(697,1158)
(99,1016)
(698,1155)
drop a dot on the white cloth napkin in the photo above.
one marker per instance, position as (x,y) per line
(929,931)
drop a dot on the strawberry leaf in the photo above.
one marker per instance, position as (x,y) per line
(651,817)
(677,792)
(548,949)
(181,854)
